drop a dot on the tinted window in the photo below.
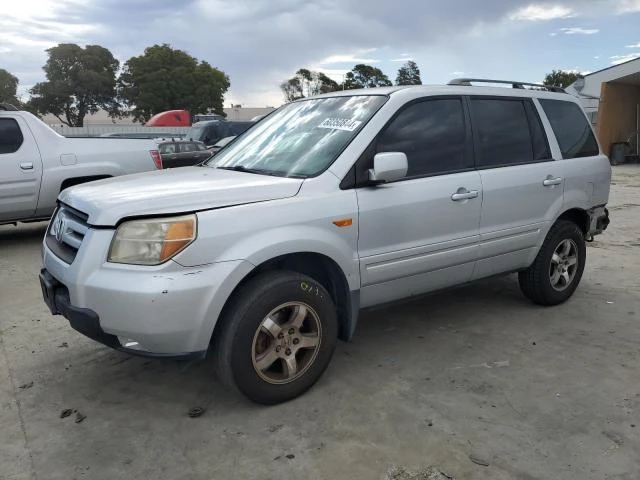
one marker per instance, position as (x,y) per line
(541,149)
(10,135)
(431,134)
(503,132)
(571,129)
(238,128)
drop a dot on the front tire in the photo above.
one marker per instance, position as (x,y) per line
(277,337)
(557,270)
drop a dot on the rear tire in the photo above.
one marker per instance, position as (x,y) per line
(277,337)
(557,270)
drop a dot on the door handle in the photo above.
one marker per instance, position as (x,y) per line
(464,194)
(551,181)
(26,166)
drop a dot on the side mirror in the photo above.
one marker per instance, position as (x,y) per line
(388,167)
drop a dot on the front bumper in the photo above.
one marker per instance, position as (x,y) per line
(167,310)
(87,322)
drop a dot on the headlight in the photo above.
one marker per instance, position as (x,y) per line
(152,241)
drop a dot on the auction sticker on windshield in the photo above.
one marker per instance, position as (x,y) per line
(340,124)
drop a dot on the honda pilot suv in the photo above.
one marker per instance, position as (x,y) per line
(264,256)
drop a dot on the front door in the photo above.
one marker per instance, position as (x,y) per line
(522,184)
(421,233)
(20,170)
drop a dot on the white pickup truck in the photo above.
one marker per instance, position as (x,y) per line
(36,163)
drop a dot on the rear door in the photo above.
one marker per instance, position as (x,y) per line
(20,170)
(587,171)
(420,233)
(522,184)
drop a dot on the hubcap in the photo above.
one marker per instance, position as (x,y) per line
(564,264)
(286,343)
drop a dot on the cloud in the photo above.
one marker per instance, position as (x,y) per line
(402,59)
(537,12)
(618,59)
(259,43)
(628,6)
(637,45)
(579,31)
(351,59)
(457,74)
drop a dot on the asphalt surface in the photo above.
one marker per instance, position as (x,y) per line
(475,382)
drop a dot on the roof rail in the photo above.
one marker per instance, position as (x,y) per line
(8,107)
(514,84)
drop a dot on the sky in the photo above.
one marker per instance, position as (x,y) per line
(261,43)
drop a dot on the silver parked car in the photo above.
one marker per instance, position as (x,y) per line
(330,205)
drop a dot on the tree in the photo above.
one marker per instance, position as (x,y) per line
(292,89)
(164,78)
(307,83)
(560,78)
(80,81)
(8,88)
(409,74)
(366,76)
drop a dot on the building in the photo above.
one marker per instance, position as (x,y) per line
(611,99)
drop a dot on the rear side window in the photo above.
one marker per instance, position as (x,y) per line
(167,148)
(503,133)
(10,136)
(187,147)
(432,134)
(571,128)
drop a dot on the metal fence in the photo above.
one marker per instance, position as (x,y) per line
(99,130)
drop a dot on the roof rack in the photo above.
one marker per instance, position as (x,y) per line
(8,107)
(466,82)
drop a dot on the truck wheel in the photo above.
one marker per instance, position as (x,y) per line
(277,337)
(557,270)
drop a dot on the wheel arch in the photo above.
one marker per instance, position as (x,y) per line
(322,269)
(578,216)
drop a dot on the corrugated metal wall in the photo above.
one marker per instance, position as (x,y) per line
(98,130)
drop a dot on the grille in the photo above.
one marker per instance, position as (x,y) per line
(66,232)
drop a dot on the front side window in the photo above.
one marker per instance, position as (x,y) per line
(300,139)
(10,136)
(503,134)
(571,128)
(432,134)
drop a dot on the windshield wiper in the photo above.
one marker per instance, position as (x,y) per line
(242,168)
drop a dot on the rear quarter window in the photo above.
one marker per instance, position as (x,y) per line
(571,128)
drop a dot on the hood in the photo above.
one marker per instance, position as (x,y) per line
(177,190)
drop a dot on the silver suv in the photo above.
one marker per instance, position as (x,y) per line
(332,204)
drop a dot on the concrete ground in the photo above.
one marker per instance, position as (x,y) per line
(476,373)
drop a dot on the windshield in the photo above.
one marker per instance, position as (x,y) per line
(195,133)
(301,139)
